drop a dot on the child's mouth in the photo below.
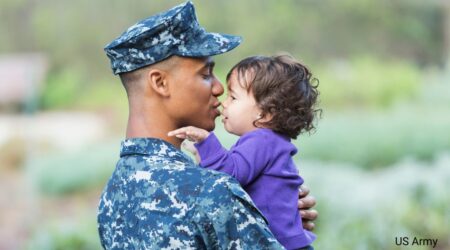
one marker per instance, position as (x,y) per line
(224,118)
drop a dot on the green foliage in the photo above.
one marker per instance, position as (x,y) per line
(104,94)
(435,91)
(75,32)
(372,140)
(367,82)
(70,89)
(61,90)
(67,172)
(314,31)
(418,128)
(367,210)
(78,233)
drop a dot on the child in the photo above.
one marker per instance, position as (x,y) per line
(270,100)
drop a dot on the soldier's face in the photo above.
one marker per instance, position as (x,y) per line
(195,92)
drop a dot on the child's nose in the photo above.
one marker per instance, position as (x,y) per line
(225,103)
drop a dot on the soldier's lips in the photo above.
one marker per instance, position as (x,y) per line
(216,112)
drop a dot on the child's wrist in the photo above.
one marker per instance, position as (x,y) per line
(202,136)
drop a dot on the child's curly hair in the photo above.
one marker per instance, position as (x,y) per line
(283,89)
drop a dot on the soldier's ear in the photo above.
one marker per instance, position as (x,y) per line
(158,81)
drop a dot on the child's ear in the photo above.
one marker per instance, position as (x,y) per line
(158,80)
(259,121)
(263,118)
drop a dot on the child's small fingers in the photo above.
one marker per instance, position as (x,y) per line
(176,131)
(181,136)
(194,134)
(191,138)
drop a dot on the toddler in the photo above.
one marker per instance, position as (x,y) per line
(270,101)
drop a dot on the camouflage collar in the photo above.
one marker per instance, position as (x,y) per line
(152,147)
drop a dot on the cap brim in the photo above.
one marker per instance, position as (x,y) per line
(209,44)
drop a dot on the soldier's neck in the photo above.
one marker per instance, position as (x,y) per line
(141,126)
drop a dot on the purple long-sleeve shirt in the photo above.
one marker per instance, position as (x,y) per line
(261,160)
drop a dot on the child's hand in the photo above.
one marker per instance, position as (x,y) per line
(189,146)
(190,133)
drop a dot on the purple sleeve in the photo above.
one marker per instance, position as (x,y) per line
(244,161)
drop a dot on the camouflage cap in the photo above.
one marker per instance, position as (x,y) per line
(173,32)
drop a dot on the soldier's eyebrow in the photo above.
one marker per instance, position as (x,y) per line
(209,65)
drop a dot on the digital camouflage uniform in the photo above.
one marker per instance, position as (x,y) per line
(158,198)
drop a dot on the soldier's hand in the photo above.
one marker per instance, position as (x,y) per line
(305,204)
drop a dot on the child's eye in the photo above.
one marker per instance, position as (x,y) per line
(232,97)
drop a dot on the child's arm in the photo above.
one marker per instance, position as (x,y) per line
(244,161)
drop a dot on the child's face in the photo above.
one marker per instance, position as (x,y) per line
(239,108)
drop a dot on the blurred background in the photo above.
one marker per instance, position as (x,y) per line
(378,163)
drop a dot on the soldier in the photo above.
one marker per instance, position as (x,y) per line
(157,197)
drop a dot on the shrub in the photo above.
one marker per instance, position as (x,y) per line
(66,172)
(367,210)
(61,89)
(79,233)
(377,139)
(366,82)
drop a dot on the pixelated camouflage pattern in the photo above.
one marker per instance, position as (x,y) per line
(173,32)
(158,198)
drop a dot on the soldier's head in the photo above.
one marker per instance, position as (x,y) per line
(167,58)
